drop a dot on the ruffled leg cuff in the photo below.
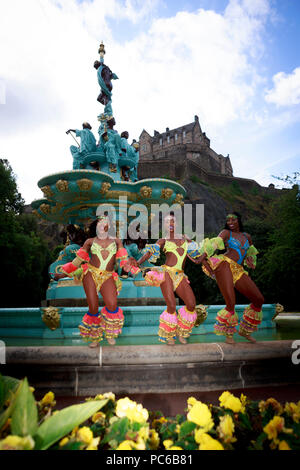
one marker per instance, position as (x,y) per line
(90,328)
(226,323)
(252,318)
(112,322)
(167,326)
(186,321)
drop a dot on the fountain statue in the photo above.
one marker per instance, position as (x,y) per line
(104,174)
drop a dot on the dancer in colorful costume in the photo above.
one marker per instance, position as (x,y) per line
(171,278)
(97,274)
(229,273)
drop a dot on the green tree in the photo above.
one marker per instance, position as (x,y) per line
(279,273)
(10,198)
(25,254)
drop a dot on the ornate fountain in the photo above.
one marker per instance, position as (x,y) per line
(104,173)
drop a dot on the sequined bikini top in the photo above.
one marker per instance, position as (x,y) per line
(171,247)
(97,250)
(236,245)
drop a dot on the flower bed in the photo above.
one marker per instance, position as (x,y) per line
(104,423)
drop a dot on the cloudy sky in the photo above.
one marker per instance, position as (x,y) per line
(234,63)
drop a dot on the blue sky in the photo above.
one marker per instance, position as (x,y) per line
(234,63)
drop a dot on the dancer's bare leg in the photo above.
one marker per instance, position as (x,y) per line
(92,299)
(109,293)
(225,282)
(168,293)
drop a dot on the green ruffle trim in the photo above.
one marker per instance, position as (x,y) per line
(252,252)
(210,245)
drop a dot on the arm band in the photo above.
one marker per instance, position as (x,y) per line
(252,252)
(193,250)
(210,245)
(122,253)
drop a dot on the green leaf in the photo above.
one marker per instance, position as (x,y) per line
(6,414)
(186,429)
(10,385)
(244,421)
(2,392)
(25,414)
(118,430)
(64,421)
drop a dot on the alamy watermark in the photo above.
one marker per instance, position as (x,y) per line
(141,221)
(296,353)
(2,353)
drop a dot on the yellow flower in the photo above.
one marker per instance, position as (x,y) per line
(17,443)
(99,417)
(153,439)
(168,443)
(126,445)
(48,399)
(107,395)
(209,443)
(198,434)
(161,420)
(275,426)
(226,429)
(177,429)
(63,442)
(293,410)
(263,405)
(230,402)
(243,400)
(175,448)
(85,435)
(191,402)
(140,444)
(144,433)
(32,389)
(94,444)
(283,445)
(201,415)
(134,412)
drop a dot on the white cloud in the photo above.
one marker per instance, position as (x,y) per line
(2,92)
(286,90)
(193,63)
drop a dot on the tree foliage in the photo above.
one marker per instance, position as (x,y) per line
(25,255)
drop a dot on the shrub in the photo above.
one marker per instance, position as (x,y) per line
(236,424)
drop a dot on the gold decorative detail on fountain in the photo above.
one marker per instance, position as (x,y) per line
(201,311)
(146,191)
(51,317)
(105,187)
(45,209)
(62,186)
(166,193)
(179,199)
(279,309)
(85,184)
(48,193)
(57,208)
